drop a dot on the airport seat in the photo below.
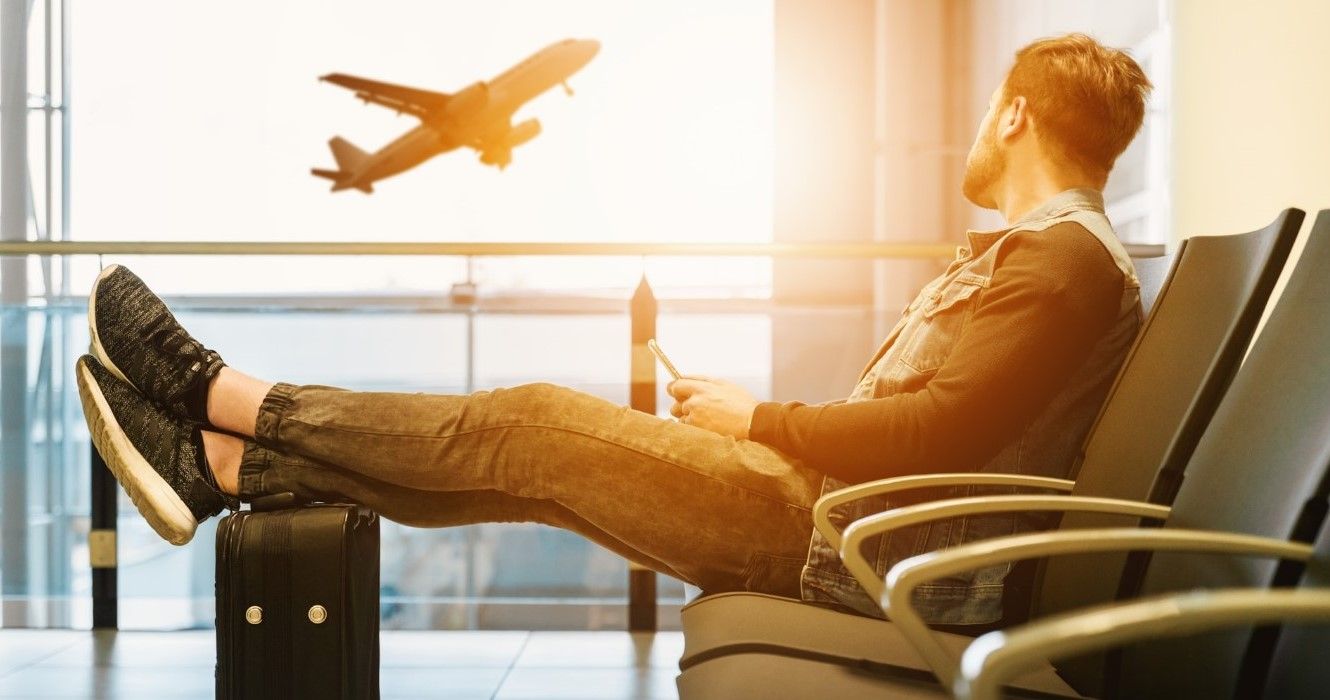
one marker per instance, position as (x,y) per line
(1188,347)
(1298,670)
(1153,272)
(1256,486)
(1297,667)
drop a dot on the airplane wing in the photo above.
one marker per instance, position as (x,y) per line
(397,97)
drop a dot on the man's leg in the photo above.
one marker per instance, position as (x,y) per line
(714,511)
(720,513)
(284,472)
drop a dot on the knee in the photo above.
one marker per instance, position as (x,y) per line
(536,400)
(544,404)
(539,393)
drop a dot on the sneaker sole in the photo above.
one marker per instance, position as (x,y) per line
(95,347)
(156,500)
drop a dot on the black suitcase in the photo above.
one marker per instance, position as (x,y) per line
(298,602)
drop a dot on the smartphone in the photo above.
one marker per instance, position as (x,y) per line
(669,366)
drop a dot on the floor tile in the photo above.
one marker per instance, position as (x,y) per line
(415,665)
(108,683)
(192,649)
(587,684)
(458,683)
(478,649)
(19,648)
(602,650)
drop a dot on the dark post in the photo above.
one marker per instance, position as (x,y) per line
(642,397)
(14,452)
(102,545)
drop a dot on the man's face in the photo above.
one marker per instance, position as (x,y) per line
(987,162)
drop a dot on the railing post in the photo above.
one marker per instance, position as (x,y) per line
(102,545)
(642,397)
(14,453)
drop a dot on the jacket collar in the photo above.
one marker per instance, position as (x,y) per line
(1060,204)
(1078,199)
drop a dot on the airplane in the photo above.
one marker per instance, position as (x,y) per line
(479,116)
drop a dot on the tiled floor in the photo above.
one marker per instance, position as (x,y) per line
(416,665)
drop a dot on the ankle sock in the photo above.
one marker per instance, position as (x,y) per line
(205,471)
(196,399)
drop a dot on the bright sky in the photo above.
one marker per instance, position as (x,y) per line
(201,121)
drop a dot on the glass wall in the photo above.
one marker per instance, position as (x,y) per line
(193,122)
(206,123)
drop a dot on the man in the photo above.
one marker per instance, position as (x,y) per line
(999,364)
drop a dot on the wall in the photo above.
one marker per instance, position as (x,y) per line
(823,191)
(1251,116)
(919,160)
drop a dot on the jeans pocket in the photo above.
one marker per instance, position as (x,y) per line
(773,574)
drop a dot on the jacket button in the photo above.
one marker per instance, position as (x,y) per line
(317,614)
(254,615)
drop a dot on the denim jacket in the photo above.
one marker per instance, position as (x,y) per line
(1049,445)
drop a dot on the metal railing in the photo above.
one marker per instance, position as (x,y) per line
(853,250)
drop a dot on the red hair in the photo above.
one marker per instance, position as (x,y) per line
(1087,100)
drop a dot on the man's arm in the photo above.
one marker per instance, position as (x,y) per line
(1052,298)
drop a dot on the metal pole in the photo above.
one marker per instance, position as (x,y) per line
(58,538)
(642,397)
(102,546)
(469,292)
(13,299)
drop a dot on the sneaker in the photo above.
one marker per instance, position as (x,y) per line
(157,457)
(139,340)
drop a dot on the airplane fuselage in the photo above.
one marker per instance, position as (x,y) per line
(478,117)
(403,153)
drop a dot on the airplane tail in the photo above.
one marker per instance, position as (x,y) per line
(349,159)
(348,156)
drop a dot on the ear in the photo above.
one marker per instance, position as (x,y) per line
(1014,120)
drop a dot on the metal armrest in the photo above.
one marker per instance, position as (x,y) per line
(851,551)
(822,509)
(996,658)
(910,573)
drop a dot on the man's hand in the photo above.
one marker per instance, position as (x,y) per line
(713,404)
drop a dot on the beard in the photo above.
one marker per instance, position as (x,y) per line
(983,168)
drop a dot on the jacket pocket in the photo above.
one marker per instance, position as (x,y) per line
(942,317)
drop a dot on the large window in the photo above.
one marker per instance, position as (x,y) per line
(200,122)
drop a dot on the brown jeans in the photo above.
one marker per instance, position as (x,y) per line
(720,513)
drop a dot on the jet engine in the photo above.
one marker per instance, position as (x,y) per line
(500,152)
(522,133)
(471,99)
(497,155)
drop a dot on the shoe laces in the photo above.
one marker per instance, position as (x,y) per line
(165,333)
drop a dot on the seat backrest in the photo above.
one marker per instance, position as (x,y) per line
(1260,468)
(1298,669)
(1152,272)
(1184,357)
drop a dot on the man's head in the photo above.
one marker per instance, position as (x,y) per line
(1068,106)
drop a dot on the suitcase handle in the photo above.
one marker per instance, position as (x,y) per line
(286,500)
(275,501)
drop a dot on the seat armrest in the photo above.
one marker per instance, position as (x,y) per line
(910,573)
(822,509)
(995,659)
(851,551)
